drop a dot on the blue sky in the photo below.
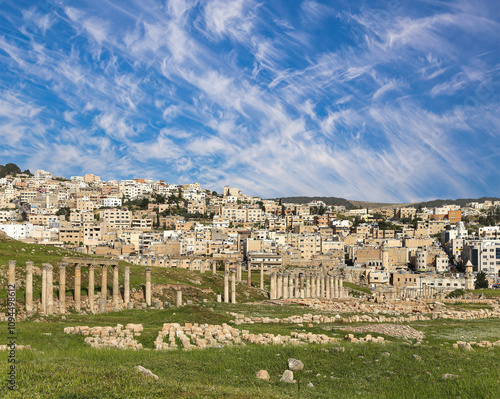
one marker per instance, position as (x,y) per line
(382,101)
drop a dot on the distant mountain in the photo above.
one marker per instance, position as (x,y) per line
(326,200)
(11,169)
(461,202)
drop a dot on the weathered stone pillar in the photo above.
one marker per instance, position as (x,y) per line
(238,271)
(322,286)
(44,288)
(104,282)
(341,288)
(78,286)
(226,287)
(308,286)
(336,288)
(327,286)
(297,291)
(279,293)
(214,267)
(290,286)
(62,287)
(261,275)
(29,288)
(12,272)
(126,286)
(233,286)
(249,276)
(50,290)
(272,286)
(285,286)
(313,287)
(102,306)
(91,288)
(116,285)
(178,298)
(148,286)
(202,266)
(302,288)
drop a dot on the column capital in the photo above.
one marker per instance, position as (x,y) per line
(147,269)
(46,266)
(12,263)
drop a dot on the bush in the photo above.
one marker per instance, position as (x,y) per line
(455,294)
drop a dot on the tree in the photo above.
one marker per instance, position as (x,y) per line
(481,281)
(65,210)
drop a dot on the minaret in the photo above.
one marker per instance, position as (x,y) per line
(385,256)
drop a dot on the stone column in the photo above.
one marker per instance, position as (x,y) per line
(44,288)
(279,294)
(233,286)
(272,286)
(116,285)
(336,287)
(12,272)
(62,287)
(104,282)
(302,287)
(126,286)
(308,286)
(78,286)
(290,286)
(29,288)
(226,287)
(178,298)
(313,287)
(341,288)
(214,267)
(202,266)
(148,286)
(249,277)
(261,275)
(91,288)
(50,290)
(322,286)
(238,271)
(297,291)
(285,286)
(327,286)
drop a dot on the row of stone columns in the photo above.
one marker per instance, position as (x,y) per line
(233,286)
(423,292)
(300,285)
(47,294)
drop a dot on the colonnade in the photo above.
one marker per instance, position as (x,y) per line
(48,305)
(306,285)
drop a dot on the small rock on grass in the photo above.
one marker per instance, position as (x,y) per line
(262,375)
(294,364)
(310,385)
(417,357)
(145,372)
(448,376)
(287,377)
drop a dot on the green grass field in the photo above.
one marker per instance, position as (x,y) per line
(62,366)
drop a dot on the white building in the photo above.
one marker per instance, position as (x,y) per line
(18,231)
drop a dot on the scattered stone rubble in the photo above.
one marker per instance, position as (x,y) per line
(468,345)
(368,338)
(394,330)
(146,372)
(18,347)
(380,313)
(109,337)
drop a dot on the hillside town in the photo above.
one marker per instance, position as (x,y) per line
(154,223)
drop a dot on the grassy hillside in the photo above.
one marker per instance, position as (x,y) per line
(165,281)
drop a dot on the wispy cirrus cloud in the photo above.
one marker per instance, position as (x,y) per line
(366,101)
